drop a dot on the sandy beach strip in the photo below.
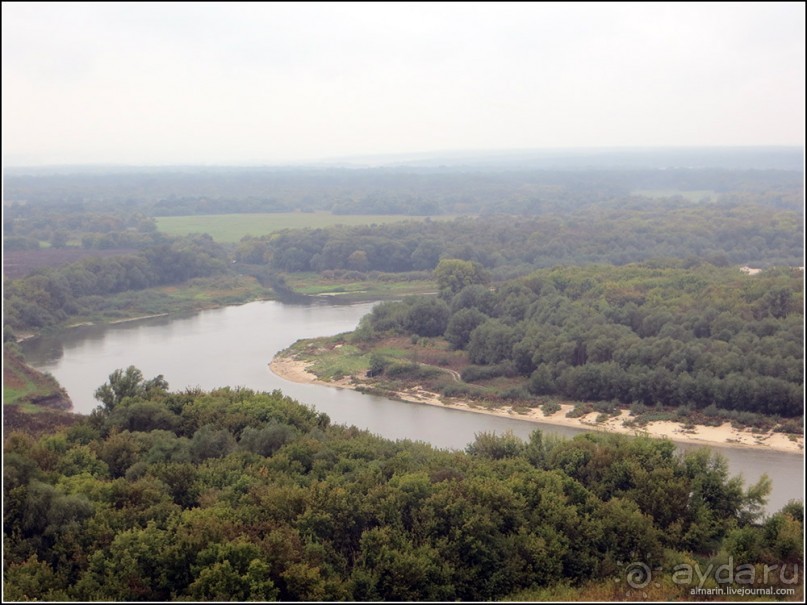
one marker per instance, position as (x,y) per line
(725,435)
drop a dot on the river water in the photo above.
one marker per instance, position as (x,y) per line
(232,346)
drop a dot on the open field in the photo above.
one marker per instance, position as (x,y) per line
(19,263)
(230,228)
(313,284)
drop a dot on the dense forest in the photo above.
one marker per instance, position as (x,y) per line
(238,495)
(615,234)
(654,335)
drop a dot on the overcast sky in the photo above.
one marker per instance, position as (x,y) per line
(230,83)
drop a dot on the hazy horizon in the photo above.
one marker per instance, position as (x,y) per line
(237,84)
(781,157)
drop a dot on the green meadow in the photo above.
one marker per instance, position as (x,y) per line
(230,228)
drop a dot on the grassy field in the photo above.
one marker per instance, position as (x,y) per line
(333,357)
(230,228)
(312,284)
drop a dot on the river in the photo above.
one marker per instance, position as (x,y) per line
(232,346)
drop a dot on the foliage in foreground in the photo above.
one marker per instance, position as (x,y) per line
(238,495)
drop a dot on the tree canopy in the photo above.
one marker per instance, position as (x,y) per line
(700,338)
(238,495)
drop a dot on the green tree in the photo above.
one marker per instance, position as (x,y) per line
(358,261)
(476,296)
(453,275)
(128,383)
(267,440)
(496,447)
(33,580)
(491,342)
(427,317)
(461,324)
(210,442)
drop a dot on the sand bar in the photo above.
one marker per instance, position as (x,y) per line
(725,435)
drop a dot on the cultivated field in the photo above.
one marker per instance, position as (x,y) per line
(229,228)
(19,263)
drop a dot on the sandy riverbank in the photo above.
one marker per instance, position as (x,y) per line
(724,435)
(121,321)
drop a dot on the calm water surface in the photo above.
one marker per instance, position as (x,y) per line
(233,346)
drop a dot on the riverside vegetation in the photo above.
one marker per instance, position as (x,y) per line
(237,495)
(699,345)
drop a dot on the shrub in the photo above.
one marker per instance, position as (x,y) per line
(606,407)
(496,447)
(475,373)
(515,393)
(791,425)
(638,408)
(462,390)
(412,371)
(377,365)
(581,409)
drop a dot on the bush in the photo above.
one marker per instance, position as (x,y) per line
(711,411)
(387,317)
(541,382)
(581,409)
(606,407)
(462,390)
(496,447)
(515,394)
(638,408)
(791,425)
(377,365)
(475,373)
(412,371)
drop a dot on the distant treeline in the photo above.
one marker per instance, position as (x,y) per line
(616,234)
(415,191)
(245,496)
(116,210)
(50,296)
(698,338)
(25,226)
